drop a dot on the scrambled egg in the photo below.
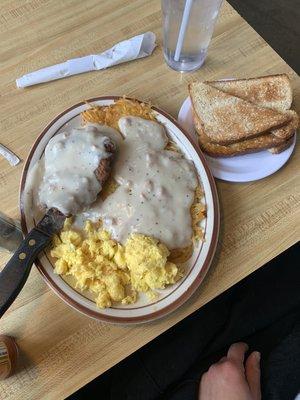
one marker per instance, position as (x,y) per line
(115,273)
(146,259)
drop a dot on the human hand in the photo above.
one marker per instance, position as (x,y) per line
(230,379)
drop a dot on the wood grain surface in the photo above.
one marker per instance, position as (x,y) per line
(61,350)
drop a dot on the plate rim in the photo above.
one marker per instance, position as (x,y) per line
(212,247)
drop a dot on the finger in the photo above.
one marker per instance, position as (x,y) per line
(204,387)
(222,360)
(252,372)
(237,352)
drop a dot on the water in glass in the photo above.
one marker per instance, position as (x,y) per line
(201,22)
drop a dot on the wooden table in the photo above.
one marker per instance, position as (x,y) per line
(62,350)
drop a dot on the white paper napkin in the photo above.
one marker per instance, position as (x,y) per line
(11,157)
(128,50)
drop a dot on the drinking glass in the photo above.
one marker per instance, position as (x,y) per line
(187,30)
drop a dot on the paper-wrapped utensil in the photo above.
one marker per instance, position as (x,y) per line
(128,50)
(11,157)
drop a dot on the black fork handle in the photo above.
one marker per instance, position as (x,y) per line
(16,271)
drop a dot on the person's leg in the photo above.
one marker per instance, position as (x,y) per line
(264,312)
(279,378)
(281,372)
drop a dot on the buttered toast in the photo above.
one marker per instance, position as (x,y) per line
(227,119)
(273,91)
(231,116)
(246,146)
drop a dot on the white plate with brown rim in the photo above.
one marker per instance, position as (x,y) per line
(195,268)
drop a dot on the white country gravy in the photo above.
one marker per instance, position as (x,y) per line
(68,180)
(156,188)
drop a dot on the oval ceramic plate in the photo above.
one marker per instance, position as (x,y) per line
(173,296)
(244,168)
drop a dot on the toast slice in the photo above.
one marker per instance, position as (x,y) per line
(261,142)
(281,147)
(280,138)
(273,91)
(228,119)
(288,130)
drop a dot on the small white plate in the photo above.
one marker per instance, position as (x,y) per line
(244,168)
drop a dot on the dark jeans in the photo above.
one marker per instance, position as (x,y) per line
(262,310)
